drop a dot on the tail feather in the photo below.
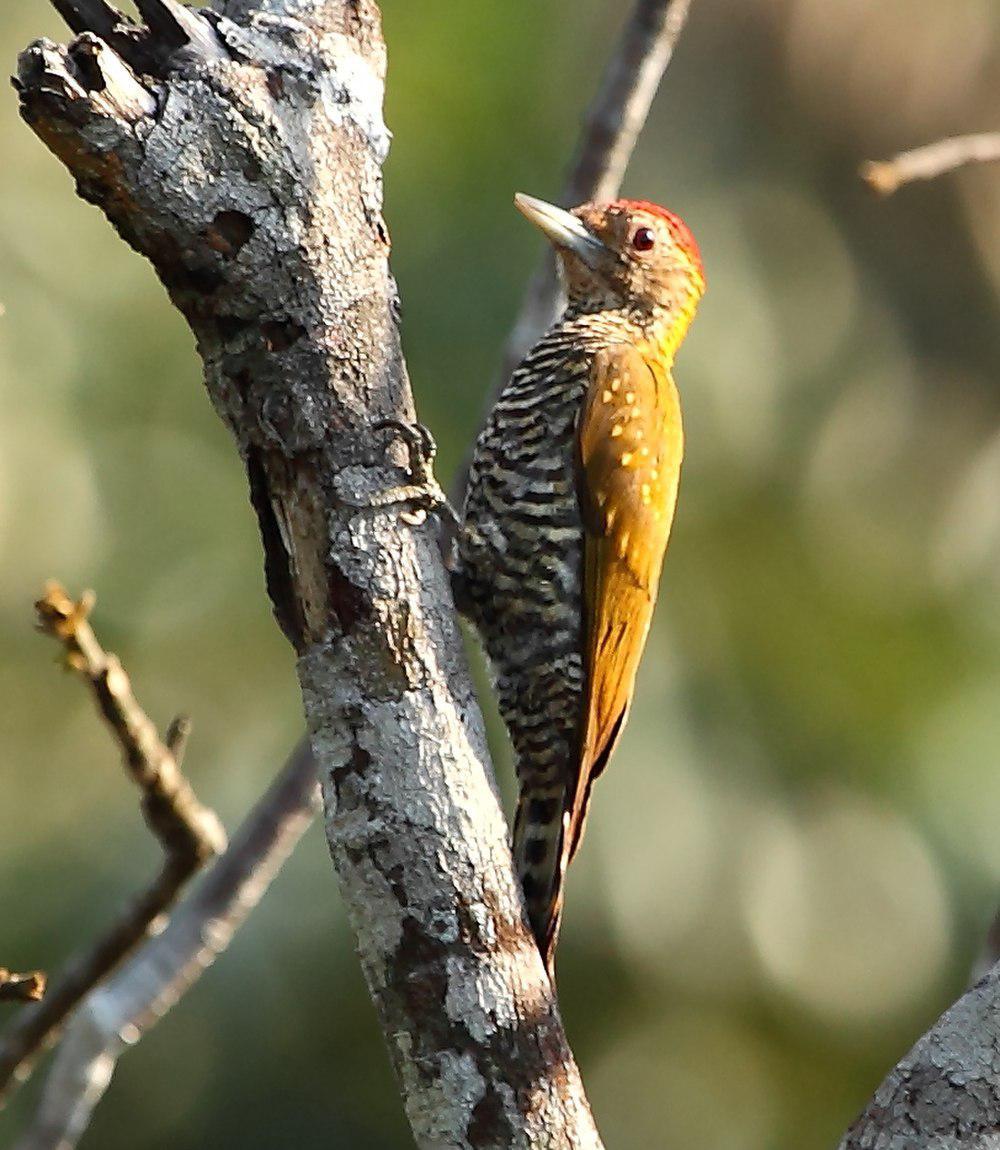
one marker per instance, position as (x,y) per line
(540,856)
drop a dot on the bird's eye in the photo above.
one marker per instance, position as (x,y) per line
(644,239)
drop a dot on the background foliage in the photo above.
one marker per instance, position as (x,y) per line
(794,858)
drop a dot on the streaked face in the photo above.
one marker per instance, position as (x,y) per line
(626,253)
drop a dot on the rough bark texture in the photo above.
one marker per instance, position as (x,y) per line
(945,1093)
(241,152)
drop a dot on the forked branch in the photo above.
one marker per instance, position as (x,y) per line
(151,981)
(189,832)
(607,141)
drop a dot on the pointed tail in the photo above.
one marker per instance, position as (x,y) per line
(540,858)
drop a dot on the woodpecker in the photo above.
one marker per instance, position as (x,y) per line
(567,513)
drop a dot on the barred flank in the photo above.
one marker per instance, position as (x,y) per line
(521,571)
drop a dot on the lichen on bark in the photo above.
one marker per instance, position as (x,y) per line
(240,150)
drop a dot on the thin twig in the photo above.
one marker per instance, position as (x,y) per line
(189,832)
(137,996)
(177,737)
(989,953)
(610,131)
(607,139)
(930,161)
(21,987)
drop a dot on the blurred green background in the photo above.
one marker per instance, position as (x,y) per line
(795,857)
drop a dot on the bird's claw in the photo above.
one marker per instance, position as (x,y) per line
(420,447)
(422,494)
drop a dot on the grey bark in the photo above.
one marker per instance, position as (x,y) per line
(945,1093)
(241,151)
(122,1009)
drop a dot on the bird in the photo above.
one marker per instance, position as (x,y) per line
(568,508)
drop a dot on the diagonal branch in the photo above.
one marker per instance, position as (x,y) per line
(189,833)
(279,264)
(610,131)
(607,139)
(606,143)
(120,1011)
(930,161)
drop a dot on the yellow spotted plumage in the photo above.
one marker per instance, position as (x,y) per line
(567,515)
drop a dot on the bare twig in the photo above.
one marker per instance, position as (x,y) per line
(21,987)
(930,161)
(189,833)
(607,140)
(177,737)
(124,1008)
(989,953)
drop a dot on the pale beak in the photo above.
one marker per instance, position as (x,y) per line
(563,229)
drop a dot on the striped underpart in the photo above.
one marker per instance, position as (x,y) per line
(520,562)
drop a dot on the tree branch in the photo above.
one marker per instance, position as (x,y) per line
(120,1011)
(989,953)
(189,833)
(945,1093)
(607,140)
(21,987)
(279,263)
(930,161)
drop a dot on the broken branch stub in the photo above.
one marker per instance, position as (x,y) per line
(21,987)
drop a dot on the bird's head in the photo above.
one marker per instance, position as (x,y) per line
(627,254)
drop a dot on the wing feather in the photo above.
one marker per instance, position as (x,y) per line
(629,450)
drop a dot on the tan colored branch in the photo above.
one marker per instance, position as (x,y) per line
(21,987)
(189,832)
(930,161)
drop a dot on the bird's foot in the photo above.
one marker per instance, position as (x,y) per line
(422,495)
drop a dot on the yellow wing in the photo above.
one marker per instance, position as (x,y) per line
(630,444)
